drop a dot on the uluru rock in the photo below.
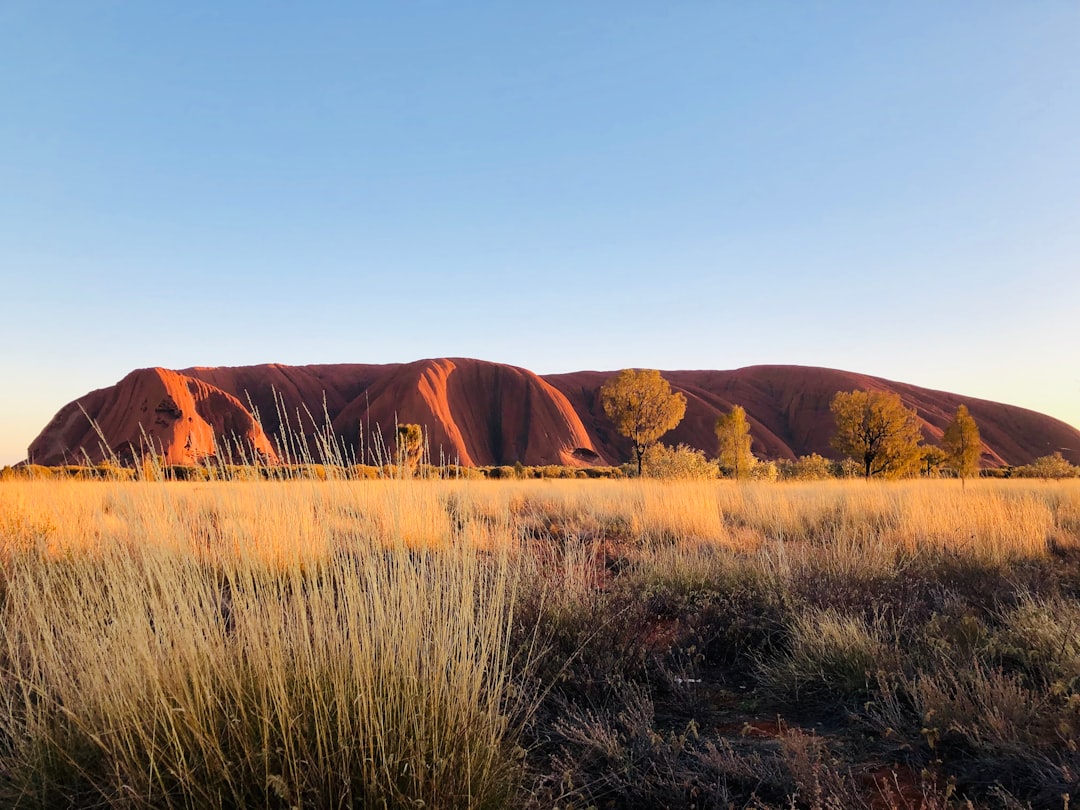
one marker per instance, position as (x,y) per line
(474,413)
(480,413)
(178,418)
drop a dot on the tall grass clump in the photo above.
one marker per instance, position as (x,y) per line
(830,659)
(147,676)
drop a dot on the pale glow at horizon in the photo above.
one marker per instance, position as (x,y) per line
(885,189)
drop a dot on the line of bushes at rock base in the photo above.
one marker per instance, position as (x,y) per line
(307,472)
(680,462)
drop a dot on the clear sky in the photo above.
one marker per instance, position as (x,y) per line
(884,187)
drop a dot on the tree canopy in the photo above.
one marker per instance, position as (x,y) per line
(733,431)
(875,428)
(932,459)
(962,444)
(1049,467)
(643,407)
(410,446)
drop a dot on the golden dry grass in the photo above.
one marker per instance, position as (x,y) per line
(281,643)
(298,520)
(236,645)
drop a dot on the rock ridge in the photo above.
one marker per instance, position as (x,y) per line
(479,413)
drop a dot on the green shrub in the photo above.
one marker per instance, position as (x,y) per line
(114,472)
(364,472)
(847,468)
(808,468)
(1050,467)
(763,471)
(603,472)
(682,462)
(182,472)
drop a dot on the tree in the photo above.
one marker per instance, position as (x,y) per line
(962,444)
(1048,467)
(875,428)
(808,468)
(733,431)
(410,447)
(932,458)
(643,407)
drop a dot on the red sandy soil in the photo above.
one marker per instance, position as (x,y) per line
(480,413)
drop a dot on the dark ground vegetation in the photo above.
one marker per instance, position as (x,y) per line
(708,680)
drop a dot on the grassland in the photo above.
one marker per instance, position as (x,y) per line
(539,644)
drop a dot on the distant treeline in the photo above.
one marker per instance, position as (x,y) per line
(681,462)
(150,471)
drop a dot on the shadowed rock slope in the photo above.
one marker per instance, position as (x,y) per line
(481,413)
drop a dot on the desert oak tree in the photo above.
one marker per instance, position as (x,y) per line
(410,447)
(932,458)
(874,428)
(962,444)
(733,431)
(643,407)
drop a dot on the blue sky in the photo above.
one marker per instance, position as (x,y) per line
(891,188)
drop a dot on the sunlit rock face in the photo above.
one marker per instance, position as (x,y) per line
(480,413)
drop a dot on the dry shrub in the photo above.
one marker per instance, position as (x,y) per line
(995,734)
(678,463)
(830,659)
(618,759)
(1041,637)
